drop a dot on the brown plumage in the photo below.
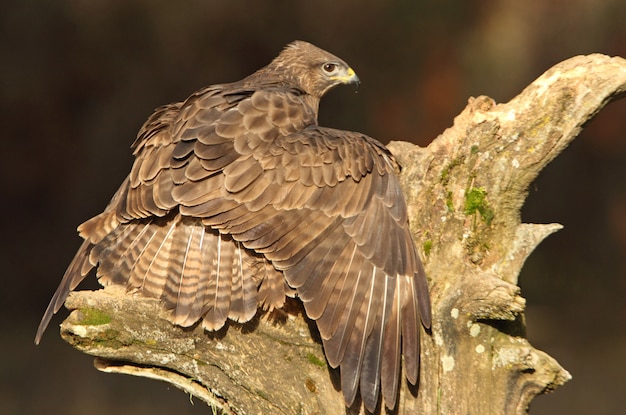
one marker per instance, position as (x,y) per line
(237,197)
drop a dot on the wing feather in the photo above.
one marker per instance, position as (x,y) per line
(220,288)
(373,353)
(410,328)
(360,341)
(182,273)
(116,254)
(72,277)
(390,368)
(243,296)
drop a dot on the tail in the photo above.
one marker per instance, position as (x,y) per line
(76,272)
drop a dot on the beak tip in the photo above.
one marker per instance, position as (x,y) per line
(352,77)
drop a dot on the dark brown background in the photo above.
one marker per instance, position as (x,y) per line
(78,78)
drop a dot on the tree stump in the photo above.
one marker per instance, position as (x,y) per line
(464,192)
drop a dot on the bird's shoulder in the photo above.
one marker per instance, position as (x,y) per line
(347,154)
(229,110)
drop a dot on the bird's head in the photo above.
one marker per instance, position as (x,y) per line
(311,69)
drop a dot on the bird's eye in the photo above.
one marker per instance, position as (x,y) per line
(329,67)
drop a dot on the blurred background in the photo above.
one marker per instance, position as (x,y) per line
(79,77)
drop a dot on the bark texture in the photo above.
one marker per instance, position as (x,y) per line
(464,192)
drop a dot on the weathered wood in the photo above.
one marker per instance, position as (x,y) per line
(464,192)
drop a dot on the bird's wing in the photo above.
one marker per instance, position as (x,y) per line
(323,205)
(137,238)
(156,248)
(326,207)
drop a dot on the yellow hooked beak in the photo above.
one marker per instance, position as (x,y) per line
(347,77)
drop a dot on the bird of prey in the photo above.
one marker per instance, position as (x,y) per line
(237,198)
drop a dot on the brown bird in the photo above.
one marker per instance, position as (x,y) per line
(237,197)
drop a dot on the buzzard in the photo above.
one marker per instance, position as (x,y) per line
(237,198)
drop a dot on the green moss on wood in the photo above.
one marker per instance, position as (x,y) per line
(445,173)
(449,203)
(427,246)
(476,202)
(93,317)
(315,360)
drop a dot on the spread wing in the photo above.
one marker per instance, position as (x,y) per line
(324,206)
(245,177)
